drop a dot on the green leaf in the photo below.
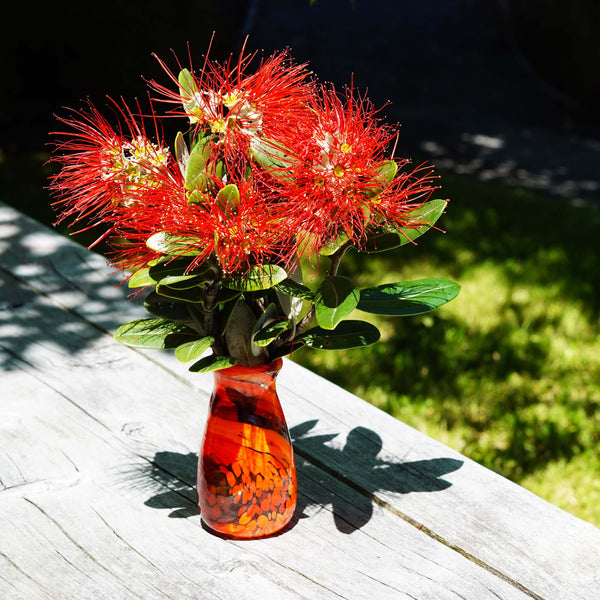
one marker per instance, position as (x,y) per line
(156,334)
(182,154)
(291,306)
(187,84)
(387,238)
(196,165)
(166,308)
(335,299)
(192,350)
(267,315)
(387,171)
(334,246)
(225,295)
(228,199)
(173,273)
(212,363)
(271,332)
(384,177)
(286,349)
(176,245)
(307,242)
(181,150)
(193,295)
(185,283)
(272,156)
(140,278)
(314,270)
(427,214)
(197,197)
(269,326)
(407,298)
(259,277)
(291,287)
(226,311)
(167,272)
(159,260)
(188,90)
(220,170)
(348,334)
(366,211)
(384,239)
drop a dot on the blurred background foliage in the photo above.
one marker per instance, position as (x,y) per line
(509,372)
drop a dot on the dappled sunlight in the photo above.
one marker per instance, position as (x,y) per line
(514,157)
(484,292)
(43,273)
(560,482)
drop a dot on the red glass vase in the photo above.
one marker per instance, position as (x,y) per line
(246,472)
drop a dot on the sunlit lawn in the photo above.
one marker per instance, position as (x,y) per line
(509,372)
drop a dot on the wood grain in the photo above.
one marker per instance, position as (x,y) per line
(98,445)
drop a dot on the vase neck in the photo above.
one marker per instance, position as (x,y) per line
(248,395)
(270,370)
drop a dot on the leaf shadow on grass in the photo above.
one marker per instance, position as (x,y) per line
(345,479)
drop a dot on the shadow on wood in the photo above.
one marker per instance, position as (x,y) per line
(45,280)
(327,476)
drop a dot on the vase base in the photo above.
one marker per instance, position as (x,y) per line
(253,533)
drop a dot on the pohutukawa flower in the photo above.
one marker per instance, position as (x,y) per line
(236,106)
(150,207)
(103,167)
(236,225)
(334,177)
(270,169)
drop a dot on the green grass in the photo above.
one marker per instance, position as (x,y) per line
(509,372)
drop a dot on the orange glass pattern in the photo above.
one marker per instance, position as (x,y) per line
(246,472)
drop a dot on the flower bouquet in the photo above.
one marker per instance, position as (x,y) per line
(235,236)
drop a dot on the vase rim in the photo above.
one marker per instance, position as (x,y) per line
(272,367)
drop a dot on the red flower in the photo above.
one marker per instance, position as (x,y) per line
(239,232)
(236,106)
(232,223)
(149,209)
(335,180)
(283,170)
(408,191)
(104,168)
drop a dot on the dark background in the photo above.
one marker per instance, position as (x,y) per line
(501,90)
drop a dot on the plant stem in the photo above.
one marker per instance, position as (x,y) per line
(209,313)
(336,259)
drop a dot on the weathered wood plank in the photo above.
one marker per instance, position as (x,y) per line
(509,529)
(543,551)
(78,516)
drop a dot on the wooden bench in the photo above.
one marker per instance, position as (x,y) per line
(98,450)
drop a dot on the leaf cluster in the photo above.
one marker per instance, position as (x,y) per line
(268,312)
(212,312)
